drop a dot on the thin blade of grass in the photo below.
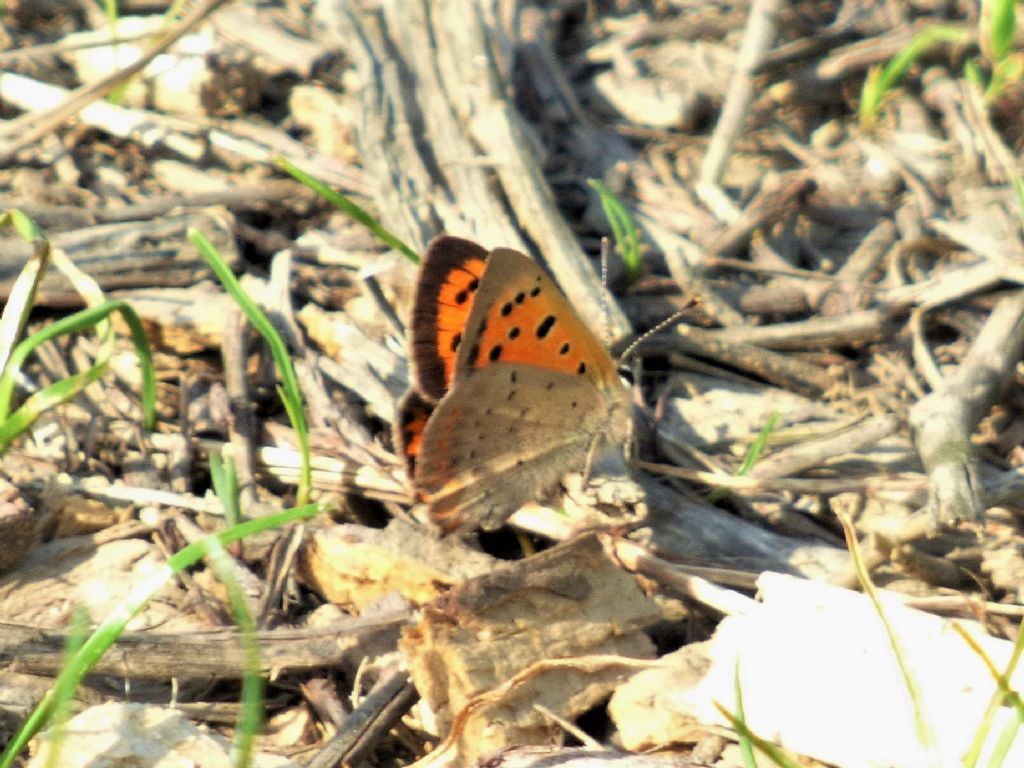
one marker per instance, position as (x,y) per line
(250,717)
(107,633)
(1002,746)
(55,394)
(95,315)
(79,321)
(63,697)
(1018,189)
(117,94)
(343,203)
(922,728)
(753,454)
(26,228)
(1001,694)
(882,80)
(624,229)
(756,449)
(225,486)
(998,20)
(974,75)
(291,396)
(298,420)
(746,747)
(22,296)
(1007,71)
(776,754)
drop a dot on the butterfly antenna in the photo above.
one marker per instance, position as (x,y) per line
(669,321)
(606,250)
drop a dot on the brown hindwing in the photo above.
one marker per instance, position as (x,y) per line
(414,411)
(504,436)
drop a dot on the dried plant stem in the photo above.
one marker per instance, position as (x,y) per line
(756,40)
(943,421)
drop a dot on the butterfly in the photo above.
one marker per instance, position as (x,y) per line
(511,389)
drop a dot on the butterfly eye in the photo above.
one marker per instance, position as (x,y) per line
(626,375)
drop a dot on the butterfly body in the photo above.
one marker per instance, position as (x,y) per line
(512,389)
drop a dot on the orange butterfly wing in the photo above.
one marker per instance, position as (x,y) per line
(520,316)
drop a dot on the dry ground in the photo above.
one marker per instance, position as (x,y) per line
(861,282)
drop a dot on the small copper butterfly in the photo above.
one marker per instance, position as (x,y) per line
(511,390)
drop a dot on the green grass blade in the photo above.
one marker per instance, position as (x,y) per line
(1001,20)
(974,75)
(746,747)
(1002,747)
(110,11)
(23,225)
(57,393)
(753,454)
(146,368)
(343,203)
(757,447)
(22,295)
(999,696)
(1018,189)
(250,718)
(292,396)
(776,754)
(1005,72)
(64,696)
(871,95)
(297,418)
(923,729)
(79,321)
(882,80)
(624,229)
(225,486)
(107,633)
